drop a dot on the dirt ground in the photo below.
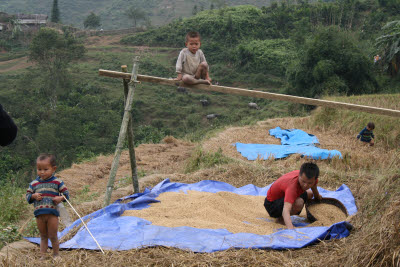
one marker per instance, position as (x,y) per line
(94,41)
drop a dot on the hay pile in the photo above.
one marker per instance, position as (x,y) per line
(222,210)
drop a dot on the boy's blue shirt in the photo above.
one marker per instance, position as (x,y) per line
(365,135)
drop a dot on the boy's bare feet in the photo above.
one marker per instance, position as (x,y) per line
(205,81)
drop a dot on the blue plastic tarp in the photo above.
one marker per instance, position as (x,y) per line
(116,232)
(293,136)
(294,141)
(262,151)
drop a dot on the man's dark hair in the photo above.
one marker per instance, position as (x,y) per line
(191,35)
(310,169)
(51,157)
(371,125)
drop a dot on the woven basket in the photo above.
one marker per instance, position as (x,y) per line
(327,200)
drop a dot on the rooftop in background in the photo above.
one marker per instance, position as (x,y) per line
(31,18)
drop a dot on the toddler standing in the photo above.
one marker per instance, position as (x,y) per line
(44,193)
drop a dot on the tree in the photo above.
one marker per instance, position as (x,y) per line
(92,21)
(55,12)
(53,52)
(388,47)
(331,63)
(135,14)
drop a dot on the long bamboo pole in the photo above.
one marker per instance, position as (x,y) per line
(254,93)
(97,243)
(131,139)
(122,135)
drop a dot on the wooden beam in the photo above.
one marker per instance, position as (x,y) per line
(121,137)
(254,93)
(131,138)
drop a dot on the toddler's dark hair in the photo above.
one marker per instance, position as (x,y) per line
(191,35)
(310,169)
(371,125)
(51,157)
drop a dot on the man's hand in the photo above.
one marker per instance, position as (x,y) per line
(179,77)
(37,196)
(318,197)
(58,199)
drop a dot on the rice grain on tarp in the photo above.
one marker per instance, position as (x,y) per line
(222,210)
(326,214)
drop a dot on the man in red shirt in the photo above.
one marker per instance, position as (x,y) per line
(287,195)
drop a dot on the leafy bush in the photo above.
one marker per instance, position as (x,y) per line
(330,63)
(264,56)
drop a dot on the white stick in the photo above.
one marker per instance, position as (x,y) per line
(84,224)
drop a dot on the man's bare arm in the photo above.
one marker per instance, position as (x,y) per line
(316,194)
(287,207)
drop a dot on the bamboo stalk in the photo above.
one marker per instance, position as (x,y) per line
(121,137)
(131,139)
(254,93)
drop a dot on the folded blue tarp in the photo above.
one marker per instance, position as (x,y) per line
(294,136)
(261,151)
(294,141)
(116,232)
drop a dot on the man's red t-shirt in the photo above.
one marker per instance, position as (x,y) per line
(286,186)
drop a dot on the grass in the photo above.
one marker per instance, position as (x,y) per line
(12,55)
(203,160)
(13,204)
(387,130)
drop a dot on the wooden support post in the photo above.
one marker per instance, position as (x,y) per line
(254,93)
(122,133)
(131,140)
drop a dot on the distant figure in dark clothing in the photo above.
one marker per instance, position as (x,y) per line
(366,135)
(8,129)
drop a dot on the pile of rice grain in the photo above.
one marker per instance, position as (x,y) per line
(222,210)
(326,214)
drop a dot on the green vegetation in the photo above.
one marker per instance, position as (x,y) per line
(389,47)
(135,14)
(92,21)
(331,63)
(55,12)
(319,48)
(203,160)
(74,12)
(12,203)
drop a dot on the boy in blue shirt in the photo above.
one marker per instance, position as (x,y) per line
(366,135)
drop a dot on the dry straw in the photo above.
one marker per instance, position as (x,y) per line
(373,175)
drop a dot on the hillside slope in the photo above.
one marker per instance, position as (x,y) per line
(111,13)
(372,173)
